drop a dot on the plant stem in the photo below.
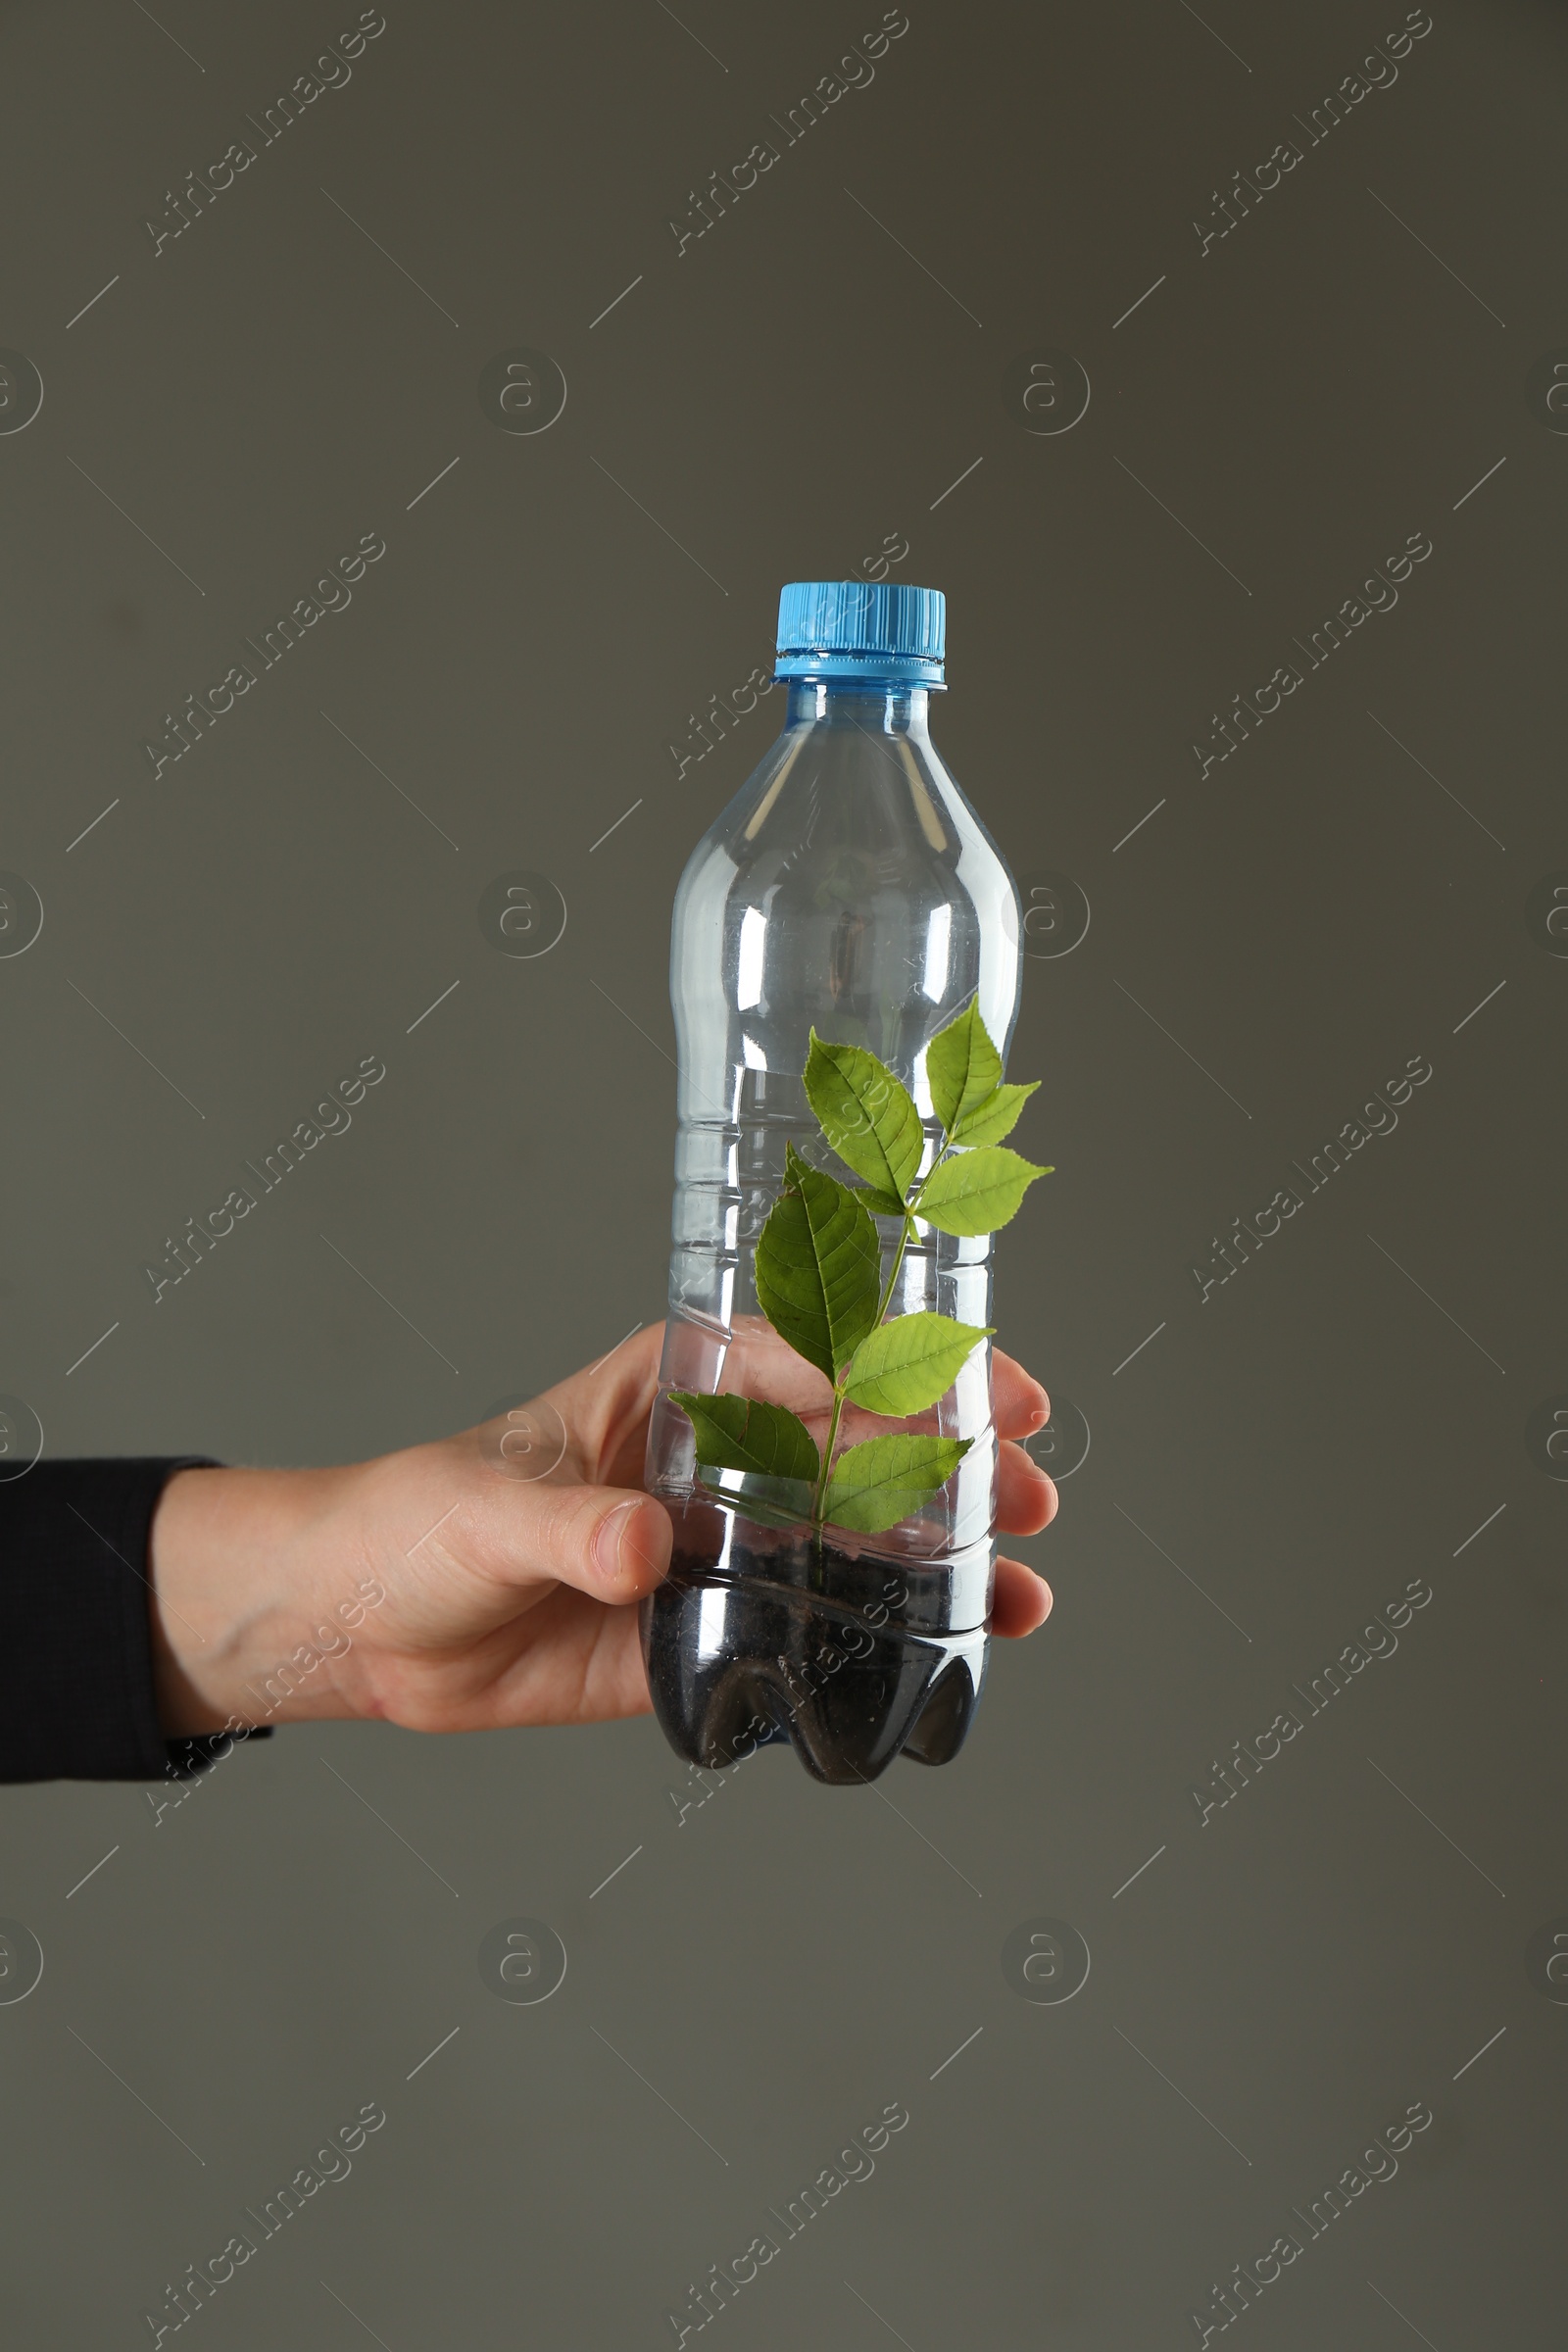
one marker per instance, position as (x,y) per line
(906,1229)
(897,1260)
(820,1496)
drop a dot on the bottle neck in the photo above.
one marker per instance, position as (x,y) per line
(861,703)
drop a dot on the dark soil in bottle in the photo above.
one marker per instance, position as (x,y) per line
(803,1646)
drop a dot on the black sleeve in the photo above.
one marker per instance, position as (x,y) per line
(76,1647)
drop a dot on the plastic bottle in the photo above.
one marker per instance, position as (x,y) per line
(848,887)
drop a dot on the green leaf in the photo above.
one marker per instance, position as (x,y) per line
(903,1366)
(977,1192)
(865,1115)
(818,1268)
(963,1067)
(995,1117)
(880,1204)
(738,1433)
(876,1485)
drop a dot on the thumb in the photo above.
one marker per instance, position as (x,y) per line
(611,1543)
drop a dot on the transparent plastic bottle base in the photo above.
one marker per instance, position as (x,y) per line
(849,1661)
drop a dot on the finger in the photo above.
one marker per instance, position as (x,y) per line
(760,1364)
(605,1408)
(623,1447)
(603,1540)
(1022,1600)
(1019,1402)
(1026,1498)
(583,1664)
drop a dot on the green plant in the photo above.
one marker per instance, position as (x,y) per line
(819,1283)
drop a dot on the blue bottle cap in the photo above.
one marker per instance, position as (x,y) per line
(855,629)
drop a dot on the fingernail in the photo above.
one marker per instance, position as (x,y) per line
(620,1553)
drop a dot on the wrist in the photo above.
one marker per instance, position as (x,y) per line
(239,1564)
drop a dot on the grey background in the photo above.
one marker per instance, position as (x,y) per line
(780,1964)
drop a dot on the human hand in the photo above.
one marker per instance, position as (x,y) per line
(436,1588)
